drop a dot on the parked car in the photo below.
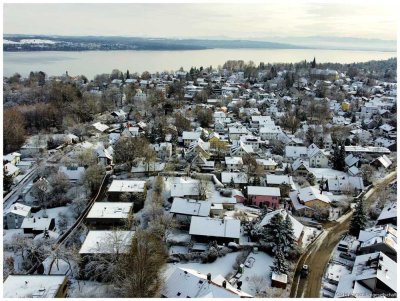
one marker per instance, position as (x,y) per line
(346,255)
(304,271)
(249,262)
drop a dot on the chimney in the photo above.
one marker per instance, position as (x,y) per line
(239,285)
(34,220)
(209,276)
(224,284)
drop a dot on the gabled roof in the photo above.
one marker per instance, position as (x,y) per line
(10,168)
(310,193)
(233,160)
(350,160)
(100,126)
(36,223)
(377,235)
(345,183)
(191,135)
(295,151)
(188,283)
(385,161)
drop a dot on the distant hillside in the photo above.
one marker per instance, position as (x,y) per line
(74,43)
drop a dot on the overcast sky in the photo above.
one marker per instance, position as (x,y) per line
(279,18)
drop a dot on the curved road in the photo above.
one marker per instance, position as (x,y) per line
(319,252)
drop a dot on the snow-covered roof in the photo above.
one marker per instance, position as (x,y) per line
(185,187)
(110,210)
(127,186)
(389,211)
(205,226)
(283,278)
(261,190)
(73,174)
(279,179)
(345,183)
(385,161)
(10,168)
(299,162)
(190,207)
(107,242)
(100,126)
(32,286)
(191,135)
(310,193)
(267,162)
(233,160)
(36,223)
(295,151)
(20,209)
(297,226)
(353,171)
(386,127)
(377,235)
(11,157)
(238,177)
(188,283)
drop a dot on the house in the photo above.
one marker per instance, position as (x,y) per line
(163,150)
(198,147)
(100,126)
(189,137)
(106,242)
(105,215)
(238,178)
(387,130)
(35,286)
(130,131)
(268,197)
(104,156)
(119,115)
(253,141)
(233,163)
(345,184)
(279,180)
(188,283)
(15,216)
(388,214)
(142,167)
(294,152)
(384,142)
(119,187)
(317,158)
(73,173)
(268,164)
(13,158)
(310,202)
(185,188)
(37,225)
(378,239)
(205,229)
(351,160)
(219,127)
(184,209)
(298,228)
(373,275)
(239,149)
(382,161)
(300,167)
(270,132)
(201,162)
(237,130)
(11,170)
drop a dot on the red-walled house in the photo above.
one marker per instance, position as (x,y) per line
(264,196)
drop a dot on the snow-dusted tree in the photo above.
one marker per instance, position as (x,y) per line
(359,219)
(280,264)
(278,235)
(139,271)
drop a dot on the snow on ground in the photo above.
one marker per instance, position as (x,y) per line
(59,266)
(54,213)
(17,260)
(178,250)
(222,266)
(89,289)
(178,236)
(261,267)
(309,235)
(8,235)
(338,266)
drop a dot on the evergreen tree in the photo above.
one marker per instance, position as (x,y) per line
(232,183)
(278,235)
(338,159)
(280,264)
(313,63)
(359,220)
(127,74)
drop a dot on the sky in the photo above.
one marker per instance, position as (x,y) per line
(261,20)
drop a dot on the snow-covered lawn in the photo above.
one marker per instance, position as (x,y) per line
(261,268)
(89,289)
(54,213)
(8,235)
(178,236)
(309,235)
(222,266)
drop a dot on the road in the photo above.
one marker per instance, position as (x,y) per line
(318,254)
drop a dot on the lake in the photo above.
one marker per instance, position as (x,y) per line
(90,63)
